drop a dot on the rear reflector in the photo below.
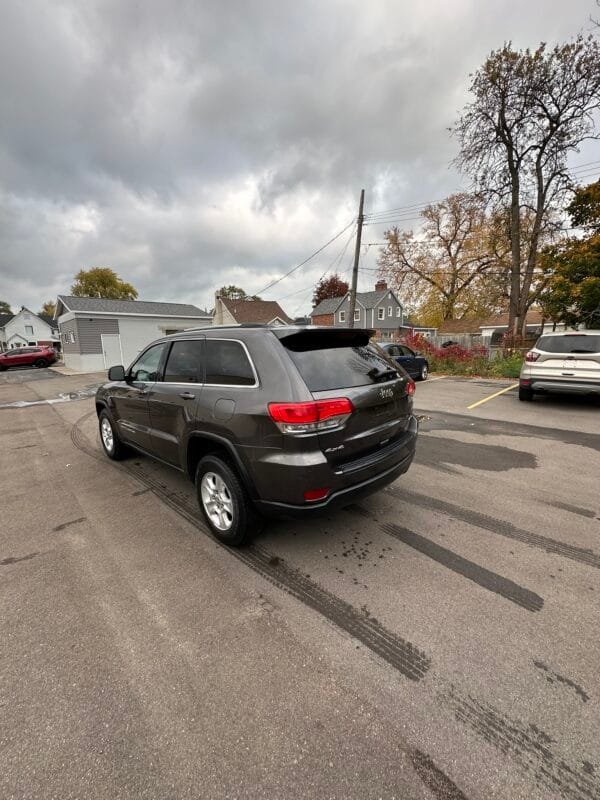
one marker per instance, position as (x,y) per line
(316,494)
(311,417)
(410,387)
(532,356)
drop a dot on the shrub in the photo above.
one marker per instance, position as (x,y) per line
(459,360)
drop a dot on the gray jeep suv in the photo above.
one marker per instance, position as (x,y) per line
(267,421)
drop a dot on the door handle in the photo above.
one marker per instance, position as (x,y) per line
(187,395)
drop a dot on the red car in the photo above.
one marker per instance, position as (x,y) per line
(27,357)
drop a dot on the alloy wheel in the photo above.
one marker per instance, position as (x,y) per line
(217,501)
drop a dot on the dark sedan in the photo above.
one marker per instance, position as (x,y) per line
(416,365)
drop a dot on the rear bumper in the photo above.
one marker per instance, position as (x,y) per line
(568,387)
(349,494)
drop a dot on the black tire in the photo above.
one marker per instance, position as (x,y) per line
(424,372)
(117,450)
(525,394)
(233,507)
(40,363)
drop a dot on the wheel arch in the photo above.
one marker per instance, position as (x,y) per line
(204,444)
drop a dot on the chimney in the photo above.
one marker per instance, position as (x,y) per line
(381,286)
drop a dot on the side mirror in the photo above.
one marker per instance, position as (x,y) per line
(116,373)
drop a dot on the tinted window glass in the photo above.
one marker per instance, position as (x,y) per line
(227,363)
(146,367)
(184,364)
(343,367)
(575,343)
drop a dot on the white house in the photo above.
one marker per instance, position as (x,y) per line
(26,329)
(97,333)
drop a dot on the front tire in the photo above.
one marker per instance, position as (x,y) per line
(424,372)
(111,444)
(525,394)
(40,363)
(224,502)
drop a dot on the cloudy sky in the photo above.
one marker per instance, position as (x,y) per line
(189,144)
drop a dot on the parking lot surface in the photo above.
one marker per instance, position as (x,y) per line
(437,640)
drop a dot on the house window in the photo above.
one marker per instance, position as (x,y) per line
(342,316)
(389,311)
(356,314)
(29,330)
(380,313)
(398,311)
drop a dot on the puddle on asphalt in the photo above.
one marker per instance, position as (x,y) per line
(63,397)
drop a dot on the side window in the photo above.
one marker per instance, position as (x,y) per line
(380,313)
(357,314)
(146,367)
(398,311)
(227,364)
(342,316)
(393,351)
(184,364)
(389,311)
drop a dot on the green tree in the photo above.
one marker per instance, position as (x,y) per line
(529,110)
(328,288)
(102,282)
(233,292)
(48,308)
(572,294)
(5,307)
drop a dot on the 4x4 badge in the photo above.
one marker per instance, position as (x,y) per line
(386,393)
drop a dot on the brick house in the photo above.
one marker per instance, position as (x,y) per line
(236,312)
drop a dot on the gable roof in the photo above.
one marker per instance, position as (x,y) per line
(327,306)
(48,320)
(411,322)
(101,304)
(460,326)
(4,318)
(261,311)
(499,320)
(366,299)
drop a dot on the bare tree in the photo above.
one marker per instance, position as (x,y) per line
(529,111)
(448,265)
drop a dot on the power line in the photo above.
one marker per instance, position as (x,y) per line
(306,260)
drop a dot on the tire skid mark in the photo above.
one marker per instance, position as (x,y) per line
(555,677)
(401,654)
(468,569)
(434,779)
(501,527)
(529,746)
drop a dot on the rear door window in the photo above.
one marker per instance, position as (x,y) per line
(337,365)
(185,362)
(227,364)
(572,343)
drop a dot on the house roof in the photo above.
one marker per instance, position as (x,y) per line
(48,320)
(411,322)
(262,311)
(101,304)
(500,320)
(4,318)
(366,299)
(327,306)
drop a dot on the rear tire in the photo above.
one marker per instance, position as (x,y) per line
(111,444)
(424,372)
(525,394)
(40,363)
(225,503)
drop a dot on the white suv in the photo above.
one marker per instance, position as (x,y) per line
(562,362)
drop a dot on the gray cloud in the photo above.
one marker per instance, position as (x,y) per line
(191,144)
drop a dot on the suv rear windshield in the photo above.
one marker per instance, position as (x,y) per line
(327,363)
(572,343)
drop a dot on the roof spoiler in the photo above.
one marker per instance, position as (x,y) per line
(322,338)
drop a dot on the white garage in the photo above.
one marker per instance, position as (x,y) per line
(97,333)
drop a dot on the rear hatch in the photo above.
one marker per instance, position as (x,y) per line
(569,357)
(341,363)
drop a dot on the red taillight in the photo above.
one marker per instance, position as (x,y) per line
(312,416)
(316,494)
(532,356)
(410,387)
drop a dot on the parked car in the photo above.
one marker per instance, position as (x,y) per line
(267,421)
(562,362)
(27,356)
(415,364)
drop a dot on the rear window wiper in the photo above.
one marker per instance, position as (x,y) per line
(377,374)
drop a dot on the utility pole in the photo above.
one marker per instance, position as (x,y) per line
(359,224)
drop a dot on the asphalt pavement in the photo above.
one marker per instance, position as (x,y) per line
(437,640)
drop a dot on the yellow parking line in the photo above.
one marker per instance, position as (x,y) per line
(491,396)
